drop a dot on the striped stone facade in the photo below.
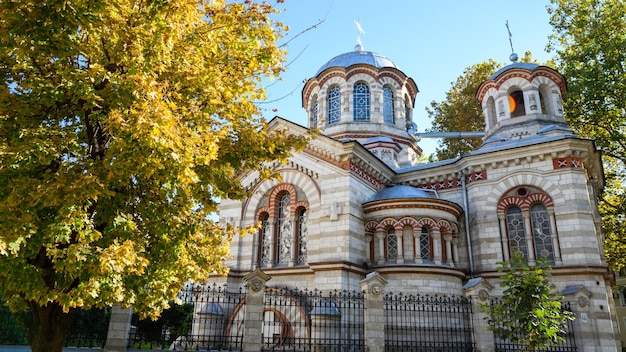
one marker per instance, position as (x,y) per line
(433,228)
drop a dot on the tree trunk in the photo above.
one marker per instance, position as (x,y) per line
(50,325)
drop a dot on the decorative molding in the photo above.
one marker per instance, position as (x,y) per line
(567,163)
(455,182)
(366,176)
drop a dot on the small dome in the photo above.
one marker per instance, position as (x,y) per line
(400,192)
(359,56)
(523,65)
(378,139)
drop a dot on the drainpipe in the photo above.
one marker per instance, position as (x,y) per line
(467,226)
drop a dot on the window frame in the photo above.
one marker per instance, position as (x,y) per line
(361,102)
(388,106)
(334,105)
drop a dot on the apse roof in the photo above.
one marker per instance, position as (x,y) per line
(358,56)
(398,192)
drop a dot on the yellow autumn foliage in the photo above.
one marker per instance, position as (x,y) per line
(121,123)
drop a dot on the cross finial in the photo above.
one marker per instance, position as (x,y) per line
(359,31)
(513,56)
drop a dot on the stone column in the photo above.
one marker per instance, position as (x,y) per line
(255,283)
(400,239)
(271,239)
(530,247)
(255,250)
(293,251)
(119,329)
(407,237)
(436,237)
(455,250)
(504,238)
(417,246)
(477,290)
(381,247)
(448,240)
(555,238)
(374,287)
(368,249)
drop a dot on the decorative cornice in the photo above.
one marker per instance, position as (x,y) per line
(451,182)
(366,176)
(413,203)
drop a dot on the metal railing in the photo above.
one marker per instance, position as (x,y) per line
(568,345)
(209,317)
(428,323)
(89,328)
(303,320)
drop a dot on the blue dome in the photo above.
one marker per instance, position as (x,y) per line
(523,65)
(358,57)
(401,192)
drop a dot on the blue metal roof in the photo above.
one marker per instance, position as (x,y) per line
(523,65)
(401,192)
(358,57)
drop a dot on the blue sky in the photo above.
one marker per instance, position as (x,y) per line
(431,41)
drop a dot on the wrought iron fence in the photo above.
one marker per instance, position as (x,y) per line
(568,345)
(428,323)
(303,320)
(207,317)
(89,327)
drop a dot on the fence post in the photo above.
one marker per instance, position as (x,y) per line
(477,290)
(119,328)
(374,286)
(255,283)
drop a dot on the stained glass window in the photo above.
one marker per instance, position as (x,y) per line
(303,235)
(334,105)
(264,243)
(392,244)
(424,244)
(361,100)
(517,234)
(388,111)
(541,232)
(283,233)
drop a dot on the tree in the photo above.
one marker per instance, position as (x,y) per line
(121,124)
(530,311)
(461,112)
(589,37)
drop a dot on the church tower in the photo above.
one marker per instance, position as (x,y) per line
(523,99)
(362,95)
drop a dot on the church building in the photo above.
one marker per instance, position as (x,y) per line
(357,200)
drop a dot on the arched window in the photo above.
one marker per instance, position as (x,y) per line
(334,105)
(388,110)
(283,230)
(408,112)
(263,255)
(391,244)
(528,220)
(302,236)
(314,112)
(516,104)
(516,232)
(492,118)
(541,232)
(424,244)
(361,102)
